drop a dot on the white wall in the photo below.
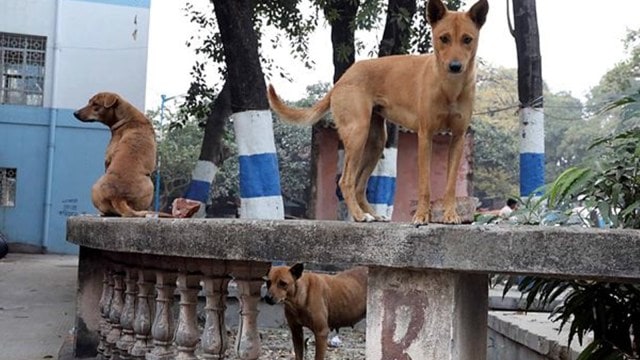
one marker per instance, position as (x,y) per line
(95,49)
(99,52)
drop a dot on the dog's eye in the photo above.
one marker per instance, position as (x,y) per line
(444,39)
(467,39)
(282,284)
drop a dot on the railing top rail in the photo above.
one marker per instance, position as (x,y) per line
(555,251)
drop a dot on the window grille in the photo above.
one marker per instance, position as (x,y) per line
(8,187)
(22,63)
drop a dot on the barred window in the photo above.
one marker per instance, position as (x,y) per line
(22,59)
(8,178)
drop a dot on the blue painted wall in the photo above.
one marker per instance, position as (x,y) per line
(78,162)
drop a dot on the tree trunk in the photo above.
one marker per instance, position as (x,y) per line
(260,194)
(240,43)
(530,96)
(342,34)
(213,148)
(213,152)
(395,39)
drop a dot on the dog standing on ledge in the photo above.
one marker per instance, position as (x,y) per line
(319,302)
(426,94)
(126,188)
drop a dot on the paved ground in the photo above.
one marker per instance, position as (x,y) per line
(37,302)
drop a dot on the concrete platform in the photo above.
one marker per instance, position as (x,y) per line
(609,255)
(37,304)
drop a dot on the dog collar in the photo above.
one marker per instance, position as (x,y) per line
(118,125)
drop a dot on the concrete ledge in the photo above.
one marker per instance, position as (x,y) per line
(612,255)
(530,332)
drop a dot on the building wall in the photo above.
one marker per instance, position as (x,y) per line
(405,202)
(92,46)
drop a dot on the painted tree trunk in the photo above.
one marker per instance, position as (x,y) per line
(260,193)
(212,152)
(530,96)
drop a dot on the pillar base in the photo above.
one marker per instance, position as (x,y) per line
(428,315)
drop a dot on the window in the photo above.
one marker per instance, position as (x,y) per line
(22,59)
(8,187)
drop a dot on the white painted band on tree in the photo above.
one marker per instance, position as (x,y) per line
(254,132)
(383,210)
(204,171)
(265,207)
(387,165)
(532,130)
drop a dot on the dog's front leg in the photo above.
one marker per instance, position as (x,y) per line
(321,343)
(456,149)
(297,337)
(423,212)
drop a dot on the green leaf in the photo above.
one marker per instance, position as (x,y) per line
(568,183)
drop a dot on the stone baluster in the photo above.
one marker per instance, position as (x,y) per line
(117,303)
(249,281)
(163,326)
(105,308)
(144,315)
(126,341)
(214,335)
(187,334)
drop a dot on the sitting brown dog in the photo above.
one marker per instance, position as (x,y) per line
(126,188)
(319,302)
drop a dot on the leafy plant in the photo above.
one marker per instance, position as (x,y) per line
(611,189)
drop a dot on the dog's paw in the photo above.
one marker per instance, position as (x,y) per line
(420,219)
(368,218)
(451,217)
(382,218)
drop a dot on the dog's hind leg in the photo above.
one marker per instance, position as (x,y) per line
(123,208)
(321,337)
(352,116)
(370,158)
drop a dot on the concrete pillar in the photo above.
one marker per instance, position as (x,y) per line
(93,294)
(427,315)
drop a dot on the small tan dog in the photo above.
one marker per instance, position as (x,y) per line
(319,302)
(426,93)
(126,188)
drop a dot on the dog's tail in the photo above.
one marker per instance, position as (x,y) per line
(123,208)
(306,116)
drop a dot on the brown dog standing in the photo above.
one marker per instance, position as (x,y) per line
(126,188)
(426,94)
(319,302)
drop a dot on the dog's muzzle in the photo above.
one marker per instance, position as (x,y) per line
(269,300)
(77,116)
(455,67)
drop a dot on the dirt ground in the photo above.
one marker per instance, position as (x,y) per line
(276,345)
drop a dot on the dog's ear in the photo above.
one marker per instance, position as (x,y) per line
(108,99)
(478,12)
(435,11)
(296,270)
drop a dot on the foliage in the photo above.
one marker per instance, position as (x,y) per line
(621,81)
(611,191)
(178,149)
(284,16)
(497,135)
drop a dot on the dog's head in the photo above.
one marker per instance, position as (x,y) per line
(455,34)
(281,283)
(101,107)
